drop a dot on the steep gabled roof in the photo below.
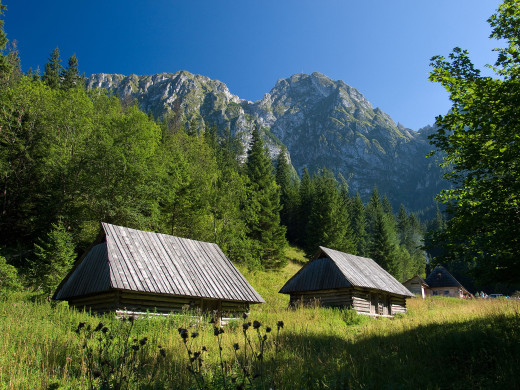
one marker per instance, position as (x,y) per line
(419,279)
(333,269)
(440,277)
(135,260)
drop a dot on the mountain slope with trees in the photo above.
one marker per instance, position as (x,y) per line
(320,122)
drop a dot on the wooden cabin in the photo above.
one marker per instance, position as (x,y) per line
(340,279)
(137,271)
(417,286)
(441,282)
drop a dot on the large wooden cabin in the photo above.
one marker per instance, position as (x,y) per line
(137,271)
(340,279)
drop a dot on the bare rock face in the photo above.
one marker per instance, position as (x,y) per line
(321,122)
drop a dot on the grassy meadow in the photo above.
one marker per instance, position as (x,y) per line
(440,343)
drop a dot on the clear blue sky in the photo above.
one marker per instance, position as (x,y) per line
(380,47)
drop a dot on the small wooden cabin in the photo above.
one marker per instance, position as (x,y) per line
(340,279)
(441,282)
(137,271)
(417,286)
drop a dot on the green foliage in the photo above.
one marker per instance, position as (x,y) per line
(8,277)
(70,76)
(53,70)
(263,206)
(480,142)
(55,255)
(328,223)
(289,197)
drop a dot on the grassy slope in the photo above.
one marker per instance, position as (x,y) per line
(441,343)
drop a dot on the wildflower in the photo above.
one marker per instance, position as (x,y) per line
(235,346)
(104,330)
(184,333)
(99,327)
(216,331)
(267,329)
(280,324)
(265,337)
(246,326)
(143,340)
(135,347)
(256,324)
(204,349)
(194,335)
(244,316)
(162,352)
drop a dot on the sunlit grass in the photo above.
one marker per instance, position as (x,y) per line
(440,343)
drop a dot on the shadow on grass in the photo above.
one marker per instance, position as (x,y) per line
(477,354)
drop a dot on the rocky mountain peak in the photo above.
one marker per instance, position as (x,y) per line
(321,122)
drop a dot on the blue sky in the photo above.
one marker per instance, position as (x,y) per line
(380,47)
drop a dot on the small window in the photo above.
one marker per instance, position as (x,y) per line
(446,292)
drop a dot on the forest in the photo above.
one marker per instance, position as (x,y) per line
(71,158)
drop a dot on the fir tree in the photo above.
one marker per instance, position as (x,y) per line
(328,220)
(70,76)
(263,206)
(358,223)
(288,195)
(55,256)
(306,195)
(53,70)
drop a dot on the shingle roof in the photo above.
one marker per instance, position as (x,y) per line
(142,261)
(440,277)
(334,269)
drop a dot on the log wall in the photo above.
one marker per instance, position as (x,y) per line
(139,302)
(364,301)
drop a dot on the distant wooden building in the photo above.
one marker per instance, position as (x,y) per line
(138,271)
(339,279)
(418,286)
(441,282)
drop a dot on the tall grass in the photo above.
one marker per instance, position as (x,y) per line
(440,343)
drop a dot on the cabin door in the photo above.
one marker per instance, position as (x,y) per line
(373,303)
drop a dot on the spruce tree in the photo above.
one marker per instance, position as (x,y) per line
(70,76)
(10,62)
(4,63)
(306,194)
(53,70)
(328,220)
(358,223)
(288,195)
(382,237)
(55,256)
(263,206)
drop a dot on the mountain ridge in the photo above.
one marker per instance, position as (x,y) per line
(321,123)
